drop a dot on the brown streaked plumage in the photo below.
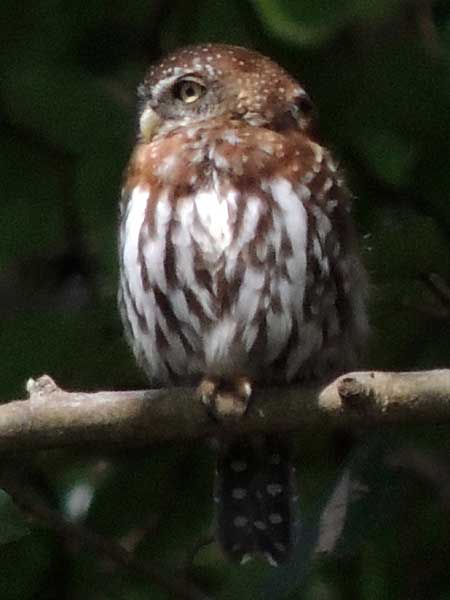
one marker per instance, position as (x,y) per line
(238,261)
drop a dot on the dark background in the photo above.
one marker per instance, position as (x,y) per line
(378,72)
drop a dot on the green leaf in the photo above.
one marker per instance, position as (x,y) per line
(186,512)
(215,21)
(139,484)
(65,106)
(13,525)
(31,182)
(27,565)
(314,22)
(407,244)
(391,157)
(300,23)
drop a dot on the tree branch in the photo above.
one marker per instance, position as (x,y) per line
(52,417)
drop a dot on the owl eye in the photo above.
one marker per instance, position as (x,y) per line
(304,105)
(188,90)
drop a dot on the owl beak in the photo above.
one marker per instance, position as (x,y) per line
(149,124)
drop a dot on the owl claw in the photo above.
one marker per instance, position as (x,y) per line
(224,401)
(207,391)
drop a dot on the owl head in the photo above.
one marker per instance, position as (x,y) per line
(202,83)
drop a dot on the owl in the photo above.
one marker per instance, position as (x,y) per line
(238,264)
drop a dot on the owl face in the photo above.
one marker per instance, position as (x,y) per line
(202,83)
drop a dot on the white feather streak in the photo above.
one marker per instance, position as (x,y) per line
(295,222)
(154,246)
(134,219)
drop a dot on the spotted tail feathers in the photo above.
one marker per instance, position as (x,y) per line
(255,499)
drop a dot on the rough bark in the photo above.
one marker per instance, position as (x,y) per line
(52,417)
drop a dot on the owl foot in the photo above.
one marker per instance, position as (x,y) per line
(225,400)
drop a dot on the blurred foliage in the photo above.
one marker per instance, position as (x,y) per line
(379,73)
(12,522)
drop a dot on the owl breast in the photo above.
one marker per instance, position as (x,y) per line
(234,258)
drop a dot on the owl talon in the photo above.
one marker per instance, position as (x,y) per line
(225,402)
(207,391)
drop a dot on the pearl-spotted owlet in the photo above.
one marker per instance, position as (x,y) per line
(238,263)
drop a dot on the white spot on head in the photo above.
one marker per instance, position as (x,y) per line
(231,137)
(260,525)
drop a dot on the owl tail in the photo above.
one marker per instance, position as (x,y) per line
(254,496)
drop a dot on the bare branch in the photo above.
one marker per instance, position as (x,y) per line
(52,417)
